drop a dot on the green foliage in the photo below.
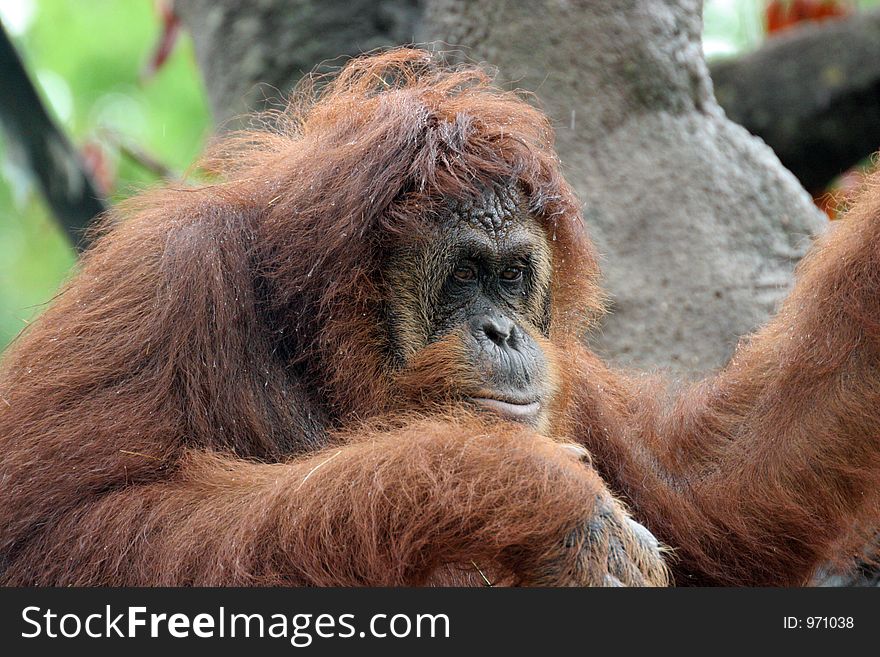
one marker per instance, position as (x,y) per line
(87,58)
(34,257)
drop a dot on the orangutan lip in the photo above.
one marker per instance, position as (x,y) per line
(509,410)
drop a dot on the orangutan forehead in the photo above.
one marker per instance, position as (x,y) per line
(495,212)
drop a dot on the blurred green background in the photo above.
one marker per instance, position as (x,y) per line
(88,58)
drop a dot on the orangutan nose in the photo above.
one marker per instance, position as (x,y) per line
(498,328)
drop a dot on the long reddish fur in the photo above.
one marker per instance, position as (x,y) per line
(770,467)
(207,400)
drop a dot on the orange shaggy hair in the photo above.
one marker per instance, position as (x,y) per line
(208,400)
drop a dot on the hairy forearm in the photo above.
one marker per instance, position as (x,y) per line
(761,498)
(806,391)
(756,474)
(385,509)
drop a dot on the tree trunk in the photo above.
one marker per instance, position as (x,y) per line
(251,52)
(699,223)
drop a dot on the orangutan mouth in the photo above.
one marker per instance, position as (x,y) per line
(509,410)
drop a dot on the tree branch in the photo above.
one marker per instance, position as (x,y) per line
(50,155)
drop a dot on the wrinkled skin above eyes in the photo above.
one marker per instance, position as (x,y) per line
(483,273)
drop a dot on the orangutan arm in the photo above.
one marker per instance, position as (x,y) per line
(387,509)
(759,474)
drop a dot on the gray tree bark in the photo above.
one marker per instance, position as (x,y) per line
(699,223)
(253,52)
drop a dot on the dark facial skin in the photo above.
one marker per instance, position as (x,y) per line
(485,275)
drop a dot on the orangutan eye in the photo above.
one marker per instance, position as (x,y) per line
(465,273)
(512,274)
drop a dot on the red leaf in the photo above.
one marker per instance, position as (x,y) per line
(167,38)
